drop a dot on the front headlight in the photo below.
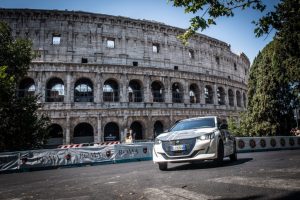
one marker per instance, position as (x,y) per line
(157,141)
(208,136)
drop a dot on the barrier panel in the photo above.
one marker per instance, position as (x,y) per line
(248,144)
(44,158)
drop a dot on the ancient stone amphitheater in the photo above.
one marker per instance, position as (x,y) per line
(99,76)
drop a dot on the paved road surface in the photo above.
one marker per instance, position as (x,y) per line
(264,175)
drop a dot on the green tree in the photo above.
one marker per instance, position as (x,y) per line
(211,10)
(21,126)
(275,74)
(274,82)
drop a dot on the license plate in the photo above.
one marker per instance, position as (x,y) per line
(178,147)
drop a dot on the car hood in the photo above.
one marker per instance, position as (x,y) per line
(185,134)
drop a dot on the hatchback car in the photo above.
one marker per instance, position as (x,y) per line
(194,139)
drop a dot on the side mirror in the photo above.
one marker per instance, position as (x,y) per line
(223,126)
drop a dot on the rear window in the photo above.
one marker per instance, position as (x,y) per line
(194,124)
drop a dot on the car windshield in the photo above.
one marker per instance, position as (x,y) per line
(194,124)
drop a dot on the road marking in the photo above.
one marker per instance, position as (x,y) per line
(170,193)
(272,183)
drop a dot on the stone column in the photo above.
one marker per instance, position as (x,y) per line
(41,87)
(68,88)
(226,96)
(168,92)
(147,89)
(68,136)
(202,92)
(98,88)
(215,98)
(123,89)
(98,137)
(186,93)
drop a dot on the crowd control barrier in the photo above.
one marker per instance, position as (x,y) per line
(51,158)
(248,144)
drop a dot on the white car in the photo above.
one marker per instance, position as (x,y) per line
(189,140)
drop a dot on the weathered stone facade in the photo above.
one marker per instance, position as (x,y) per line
(94,69)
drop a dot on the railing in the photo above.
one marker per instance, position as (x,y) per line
(177,97)
(24,93)
(158,96)
(54,95)
(111,96)
(135,96)
(83,97)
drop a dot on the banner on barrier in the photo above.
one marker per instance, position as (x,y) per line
(9,161)
(133,151)
(71,156)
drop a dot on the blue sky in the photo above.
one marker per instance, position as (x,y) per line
(236,31)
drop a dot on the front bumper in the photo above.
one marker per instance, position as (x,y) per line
(203,150)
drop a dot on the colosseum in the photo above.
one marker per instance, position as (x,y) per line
(99,76)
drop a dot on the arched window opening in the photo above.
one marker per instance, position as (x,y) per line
(135,92)
(137,130)
(221,96)
(55,91)
(194,94)
(177,94)
(238,99)
(110,91)
(111,132)
(26,88)
(83,91)
(231,97)
(83,133)
(157,90)
(244,100)
(208,92)
(158,128)
(55,136)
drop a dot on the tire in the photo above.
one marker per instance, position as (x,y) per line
(220,152)
(233,157)
(163,166)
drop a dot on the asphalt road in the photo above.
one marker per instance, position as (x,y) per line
(263,175)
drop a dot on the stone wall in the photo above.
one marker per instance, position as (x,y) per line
(94,53)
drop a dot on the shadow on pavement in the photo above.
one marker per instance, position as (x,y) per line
(290,196)
(209,164)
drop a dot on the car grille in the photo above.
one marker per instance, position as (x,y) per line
(190,143)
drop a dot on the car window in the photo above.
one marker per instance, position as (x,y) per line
(194,124)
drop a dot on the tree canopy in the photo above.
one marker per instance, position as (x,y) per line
(274,80)
(211,10)
(21,126)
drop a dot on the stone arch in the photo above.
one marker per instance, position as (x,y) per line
(110,90)
(221,95)
(26,87)
(158,128)
(177,93)
(56,135)
(209,94)
(238,99)
(135,91)
(194,93)
(137,130)
(83,133)
(111,132)
(55,90)
(83,90)
(158,91)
